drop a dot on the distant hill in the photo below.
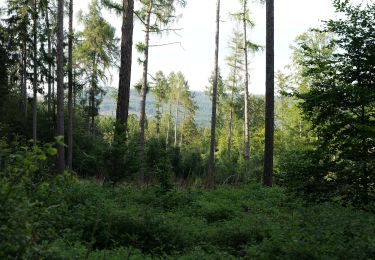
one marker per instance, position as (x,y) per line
(108,106)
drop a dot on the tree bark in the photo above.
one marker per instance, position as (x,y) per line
(231,106)
(24,78)
(122,111)
(270,110)
(49,46)
(143,98)
(169,124)
(246,90)
(92,96)
(211,164)
(60,86)
(35,75)
(70,87)
(177,116)
(182,127)
(158,118)
(230,131)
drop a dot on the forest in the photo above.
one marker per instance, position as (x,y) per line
(91,169)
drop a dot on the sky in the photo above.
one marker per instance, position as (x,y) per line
(195,55)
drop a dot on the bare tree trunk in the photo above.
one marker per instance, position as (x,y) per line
(143,99)
(53,99)
(49,46)
(158,117)
(211,163)
(270,110)
(92,96)
(231,105)
(182,125)
(230,132)
(70,87)
(246,96)
(60,86)
(24,78)
(169,124)
(177,116)
(35,76)
(122,111)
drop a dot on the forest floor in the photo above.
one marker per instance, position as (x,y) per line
(73,219)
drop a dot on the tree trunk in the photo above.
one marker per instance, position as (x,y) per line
(122,111)
(158,117)
(92,96)
(49,46)
(211,163)
(182,126)
(230,131)
(169,124)
(270,110)
(70,87)
(177,116)
(143,99)
(231,105)
(60,86)
(24,78)
(35,75)
(246,90)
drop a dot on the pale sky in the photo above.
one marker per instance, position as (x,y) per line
(195,56)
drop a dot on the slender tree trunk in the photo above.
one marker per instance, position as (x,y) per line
(35,76)
(169,124)
(60,86)
(231,105)
(92,96)
(211,163)
(122,111)
(24,78)
(182,126)
(270,110)
(364,163)
(230,131)
(158,118)
(143,99)
(54,99)
(177,117)
(70,87)
(246,90)
(49,46)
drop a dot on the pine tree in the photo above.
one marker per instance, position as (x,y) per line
(156,16)
(270,111)
(211,163)
(60,86)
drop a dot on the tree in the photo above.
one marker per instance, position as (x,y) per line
(244,17)
(339,99)
(96,53)
(19,19)
(235,62)
(122,111)
(156,16)
(270,110)
(211,163)
(160,90)
(35,67)
(70,87)
(60,87)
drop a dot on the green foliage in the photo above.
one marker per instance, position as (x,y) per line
(339,99)
(67,218)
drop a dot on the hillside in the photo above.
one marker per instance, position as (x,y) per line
(108,106)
